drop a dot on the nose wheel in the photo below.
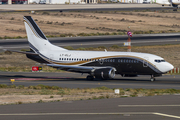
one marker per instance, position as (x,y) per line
(152,78)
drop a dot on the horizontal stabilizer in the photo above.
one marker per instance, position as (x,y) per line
(30,53)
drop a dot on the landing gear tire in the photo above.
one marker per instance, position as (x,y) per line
(90,77)
(152,78)
(175,8)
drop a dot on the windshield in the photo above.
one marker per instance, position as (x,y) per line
(158,61)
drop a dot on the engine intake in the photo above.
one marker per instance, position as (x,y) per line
(104,73)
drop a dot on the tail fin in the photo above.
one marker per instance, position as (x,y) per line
(37,40)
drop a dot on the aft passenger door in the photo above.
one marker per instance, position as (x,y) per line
(51,57)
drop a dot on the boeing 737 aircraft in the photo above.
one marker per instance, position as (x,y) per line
(98,64)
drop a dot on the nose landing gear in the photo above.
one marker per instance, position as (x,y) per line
(152,78)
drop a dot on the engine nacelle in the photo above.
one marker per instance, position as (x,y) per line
(104,73)
(174,5)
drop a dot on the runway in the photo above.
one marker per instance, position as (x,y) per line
(61,7)
(96,41)
(76,80)
(135,108)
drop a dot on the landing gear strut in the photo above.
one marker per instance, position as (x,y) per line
(152,78)
(90,77)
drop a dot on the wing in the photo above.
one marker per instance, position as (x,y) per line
(73,68)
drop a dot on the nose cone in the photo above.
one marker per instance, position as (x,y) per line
(166,67)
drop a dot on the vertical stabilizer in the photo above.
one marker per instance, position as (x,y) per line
(37,40)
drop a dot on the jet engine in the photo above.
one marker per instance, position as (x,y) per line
(104,73)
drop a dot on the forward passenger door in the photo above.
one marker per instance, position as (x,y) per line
(145,62)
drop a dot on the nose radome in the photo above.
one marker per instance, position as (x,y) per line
(169,67)
(166,67)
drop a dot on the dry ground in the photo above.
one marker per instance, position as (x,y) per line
(18,96)
(40,93)
(56,23)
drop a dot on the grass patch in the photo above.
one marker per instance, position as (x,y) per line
(45,13)
(54,93)
(55,90)
(119,32)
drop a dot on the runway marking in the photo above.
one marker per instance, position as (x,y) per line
(45,78)
(122,113)
(148,105)
(172,116)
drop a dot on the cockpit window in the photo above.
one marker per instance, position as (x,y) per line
(158,61)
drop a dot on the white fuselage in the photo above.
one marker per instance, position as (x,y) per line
(168,2)
(69,57)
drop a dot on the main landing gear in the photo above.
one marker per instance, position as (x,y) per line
(152,78)
(90,77)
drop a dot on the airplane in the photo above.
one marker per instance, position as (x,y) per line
(98,64)
(173,3)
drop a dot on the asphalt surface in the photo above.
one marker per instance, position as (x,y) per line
(76,80)
(96,41)
(102,7)
(135,108)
